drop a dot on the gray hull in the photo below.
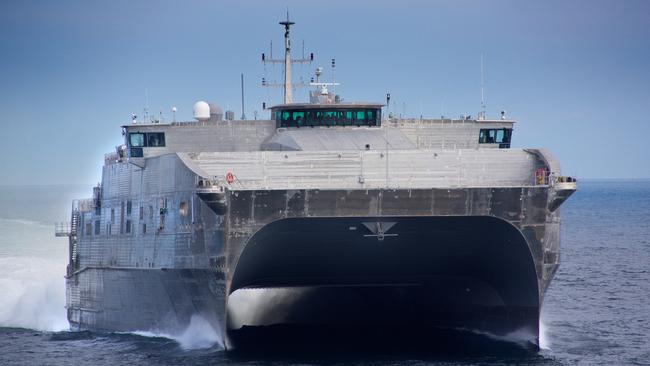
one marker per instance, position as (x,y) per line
(478,259)
(155,300)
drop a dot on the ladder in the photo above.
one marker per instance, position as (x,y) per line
(73,260)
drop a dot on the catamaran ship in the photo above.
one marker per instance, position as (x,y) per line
(330,215)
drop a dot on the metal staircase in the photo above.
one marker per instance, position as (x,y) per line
(73,260)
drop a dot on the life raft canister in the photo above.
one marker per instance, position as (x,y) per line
(230,178)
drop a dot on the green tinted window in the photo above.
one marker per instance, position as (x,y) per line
(136,139)
(495,136)
(371,117)
(327,117)
(499,136)
(298,115)
(482,136)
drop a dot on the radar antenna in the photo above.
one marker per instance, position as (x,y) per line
(287,61)
(322,85)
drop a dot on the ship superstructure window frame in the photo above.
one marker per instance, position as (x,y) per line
(147,139)
(313,117)
(155,139)
(501,136)
(139,140)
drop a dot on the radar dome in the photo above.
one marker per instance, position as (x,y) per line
(216,113)
(215,109)
(201,111)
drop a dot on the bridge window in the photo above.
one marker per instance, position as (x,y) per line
(136,139)
(137,152)
(327,117)
(495,136)
(150,139)
(298,116)
(156,139)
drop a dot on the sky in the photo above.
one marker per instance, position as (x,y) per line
(574,74)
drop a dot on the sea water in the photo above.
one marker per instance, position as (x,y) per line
(597,310)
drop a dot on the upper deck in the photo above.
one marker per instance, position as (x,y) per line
(154,139)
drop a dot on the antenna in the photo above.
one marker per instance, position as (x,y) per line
(385,127)
(146,105)
(482,114)
(243,115)
(334,74)
(387,106)
(287,85)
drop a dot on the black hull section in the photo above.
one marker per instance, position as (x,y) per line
(311,278)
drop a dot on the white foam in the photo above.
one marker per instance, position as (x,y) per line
(521,337)
(33,294)
(544,340)
(199,334)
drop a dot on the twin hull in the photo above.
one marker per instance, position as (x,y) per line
(474,258)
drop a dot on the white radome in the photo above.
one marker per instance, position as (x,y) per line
(201,111)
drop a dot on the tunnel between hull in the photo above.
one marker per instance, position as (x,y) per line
(408,272)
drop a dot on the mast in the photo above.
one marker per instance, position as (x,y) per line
(288,85)
(288,95)
(483,108)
